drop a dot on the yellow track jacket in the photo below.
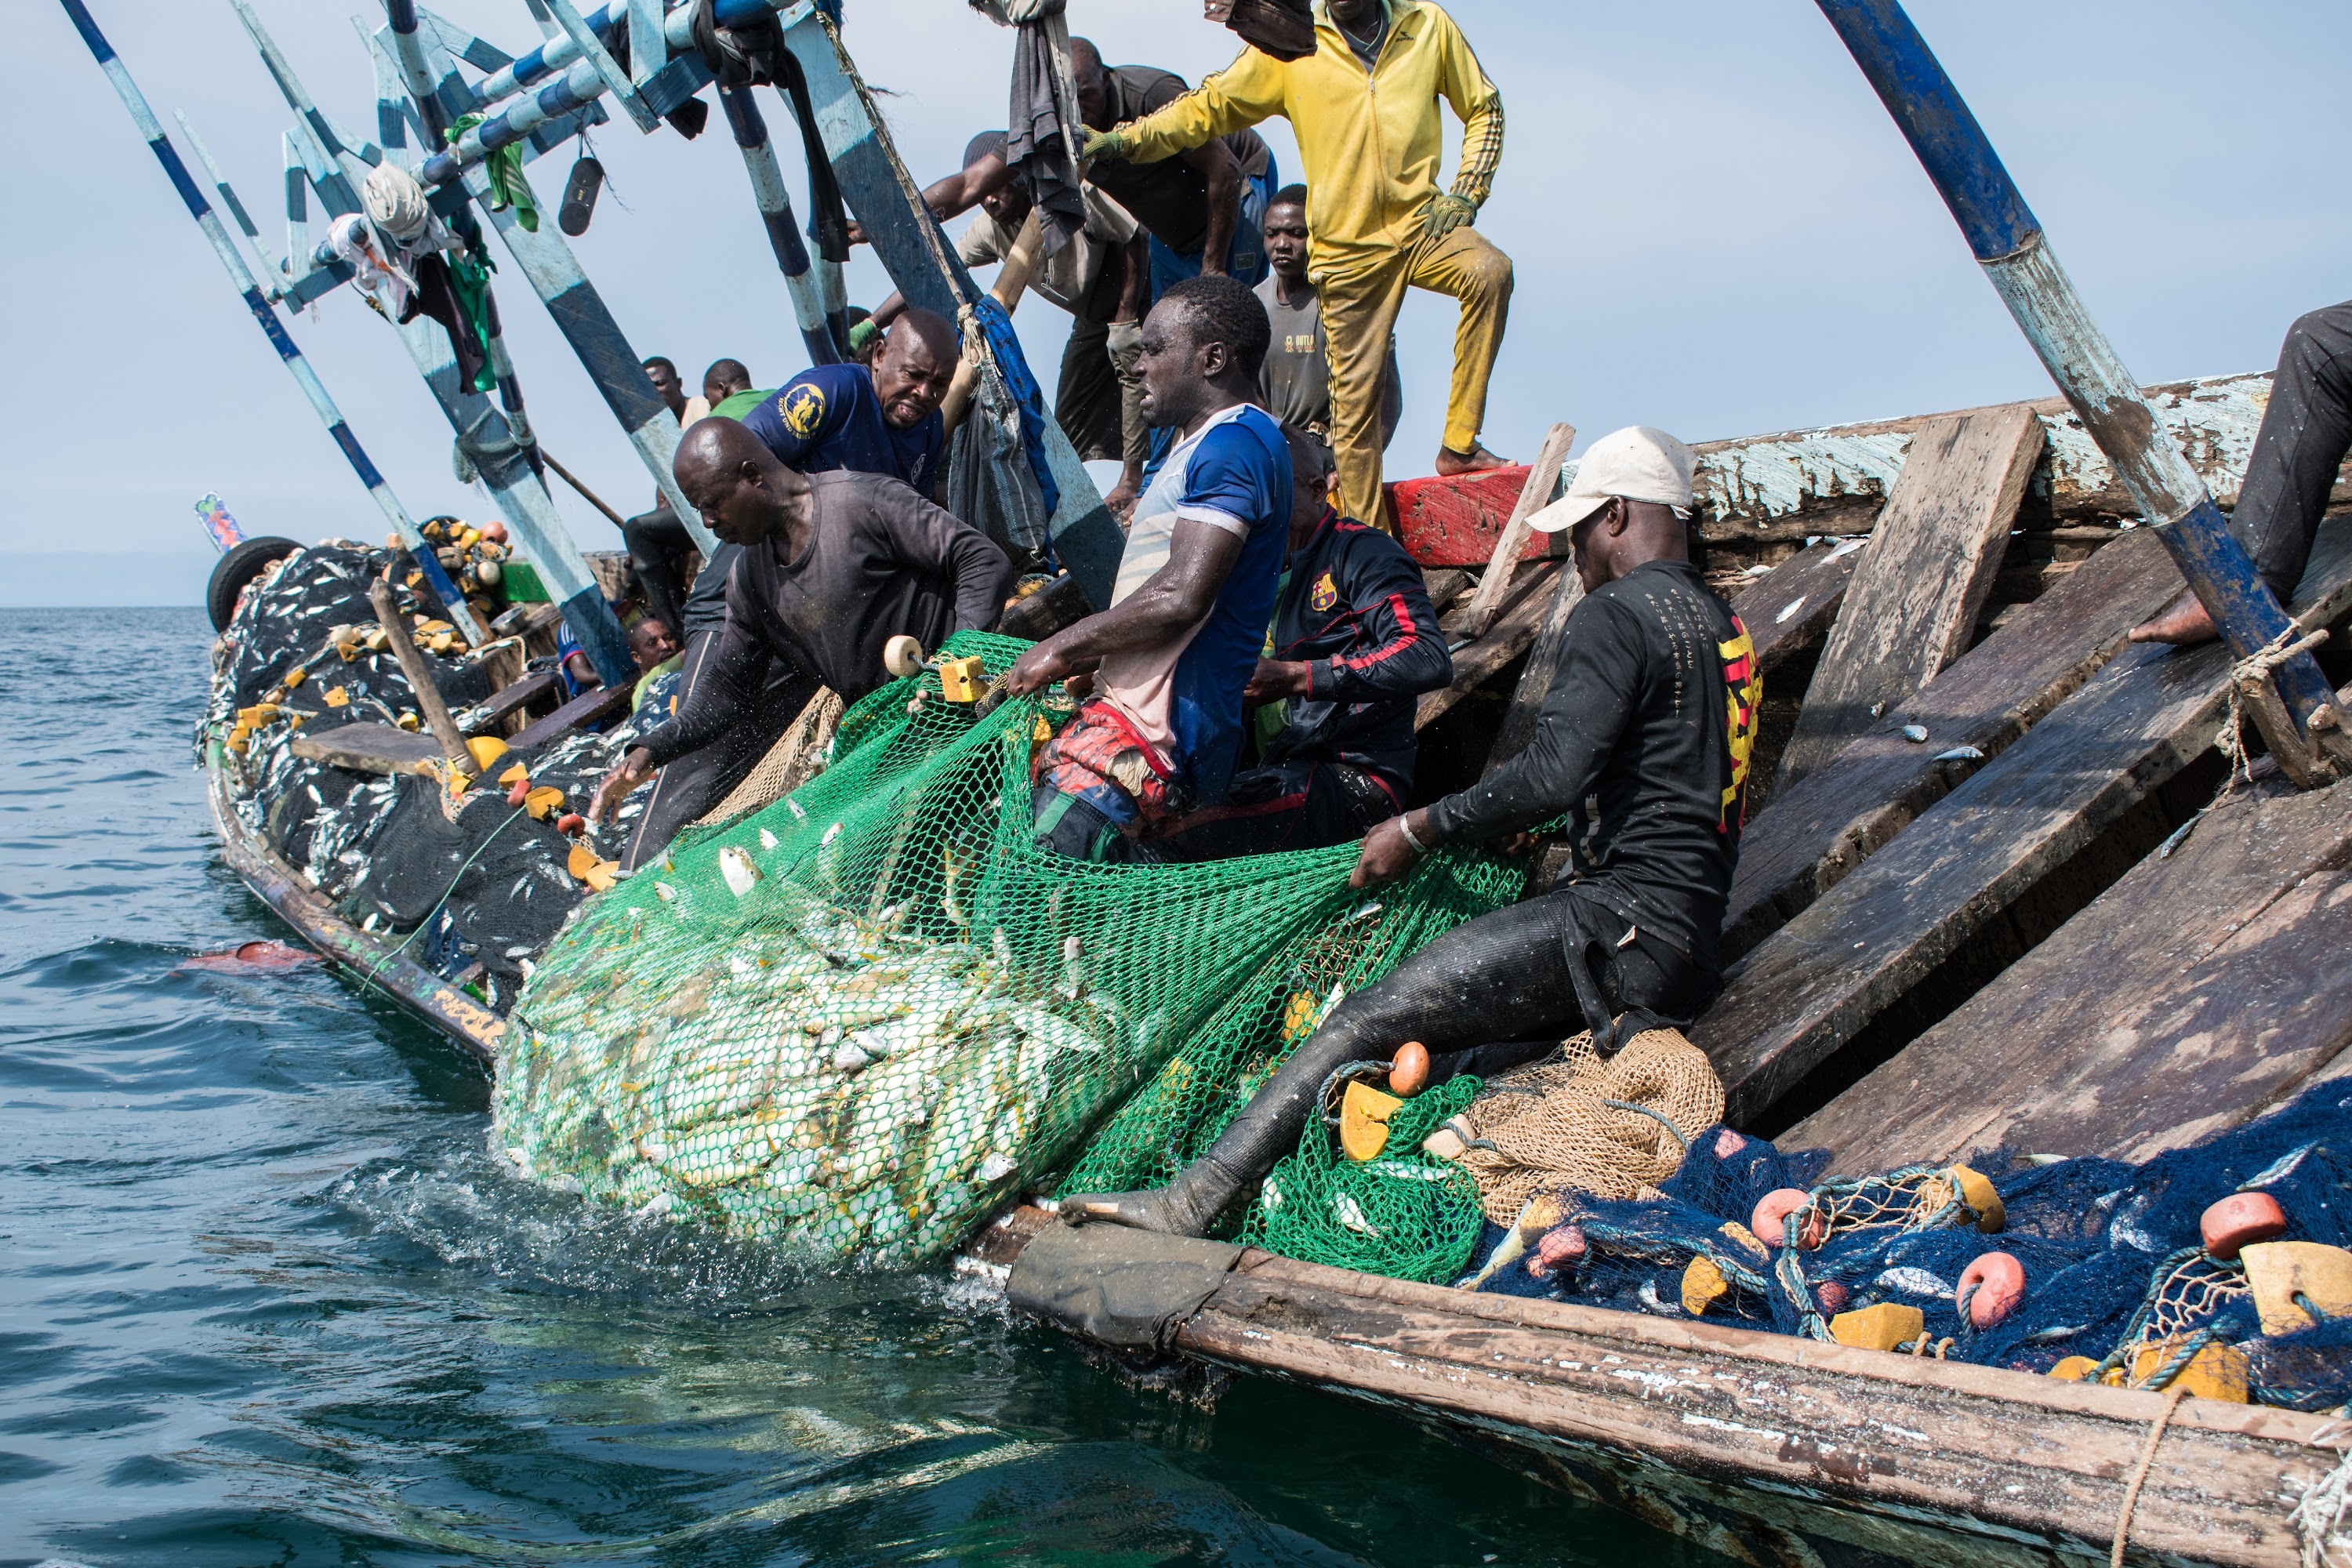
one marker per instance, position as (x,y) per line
(1371,139)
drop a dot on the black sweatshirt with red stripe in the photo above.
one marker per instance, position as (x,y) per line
(1357,613)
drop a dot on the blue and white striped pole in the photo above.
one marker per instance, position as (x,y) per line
(411,63)
(489,441)
(460,615)
(775,206)
(909,242)
(580,83)
(2016,256)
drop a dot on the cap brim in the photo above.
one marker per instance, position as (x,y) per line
(1565,512)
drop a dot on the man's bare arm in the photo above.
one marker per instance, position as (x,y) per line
(1179,595)
(1216,164)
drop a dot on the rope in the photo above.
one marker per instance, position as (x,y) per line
(2139,1473)
(2259,665)
(1566,1134)
(2320,1513)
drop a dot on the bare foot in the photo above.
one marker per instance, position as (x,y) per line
(2184,622)
(1476,460)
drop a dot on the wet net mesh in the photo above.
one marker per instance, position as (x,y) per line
(860,1019)
(2115,1271)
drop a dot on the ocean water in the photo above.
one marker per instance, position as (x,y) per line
(266,1298)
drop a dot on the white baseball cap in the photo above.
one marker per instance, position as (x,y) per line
(1637,463)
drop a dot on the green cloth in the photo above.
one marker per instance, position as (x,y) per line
(507,186)
(469,279)
(737,405)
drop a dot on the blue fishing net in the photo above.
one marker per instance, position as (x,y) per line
(2111,1250)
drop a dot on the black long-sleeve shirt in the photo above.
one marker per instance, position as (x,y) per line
(1357,613)
(880,561)
(1652,713)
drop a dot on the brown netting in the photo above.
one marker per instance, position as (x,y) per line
(797,757)
(1568,1121)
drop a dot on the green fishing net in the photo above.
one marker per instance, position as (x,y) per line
(860,1020)
(1403,1214)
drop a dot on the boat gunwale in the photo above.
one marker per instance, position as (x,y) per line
(372,962)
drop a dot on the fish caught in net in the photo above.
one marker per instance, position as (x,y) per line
(859,1020)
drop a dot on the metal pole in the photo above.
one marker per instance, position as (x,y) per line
(493,445)
(460,614)
(2016,256)
(775,206)
(410,63)
(580,83)
(909,242)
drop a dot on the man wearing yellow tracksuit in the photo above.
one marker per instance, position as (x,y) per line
(1364,107)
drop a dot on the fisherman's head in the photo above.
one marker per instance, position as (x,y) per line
(1630,503)
(912,368)
(1203,344)
(723,379)
(1093,82)
(1286,233)
(728,475)
(1310,483)
(1005,201)
(1359,17)
(650,642)
(664,375)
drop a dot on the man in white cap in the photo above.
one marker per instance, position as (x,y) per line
(1652,715)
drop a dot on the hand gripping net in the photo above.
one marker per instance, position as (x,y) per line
(860,1019)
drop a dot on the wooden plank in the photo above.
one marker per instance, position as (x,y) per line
(1543,478)
(1507,639)
(2201,987)
(421,685)
(371,963)
(507,701)
(1814,983)
(1790,485)
(1543,662)
(1808,840)
(588,707)
(1791,607)
(1827,480)
(2002,1457)
(370,748)
(1445,584)
(1917,592)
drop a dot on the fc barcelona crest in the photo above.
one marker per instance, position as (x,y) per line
(1324,595)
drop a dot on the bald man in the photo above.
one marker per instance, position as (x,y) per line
(833,565)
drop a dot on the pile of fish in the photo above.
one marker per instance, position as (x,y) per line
(491,886)
(815,1077)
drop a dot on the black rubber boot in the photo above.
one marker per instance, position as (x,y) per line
(1509,975)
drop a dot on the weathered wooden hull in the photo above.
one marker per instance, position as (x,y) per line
(1771,1448)
(374,962)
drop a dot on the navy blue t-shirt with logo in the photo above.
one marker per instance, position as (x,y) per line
(828,417)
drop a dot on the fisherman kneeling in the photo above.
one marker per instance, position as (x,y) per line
(1652,711)
(1173,655)
(1355,643)
(834,565)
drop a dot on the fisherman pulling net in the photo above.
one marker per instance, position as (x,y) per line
(859,1020)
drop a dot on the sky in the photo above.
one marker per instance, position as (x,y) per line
(1715,227)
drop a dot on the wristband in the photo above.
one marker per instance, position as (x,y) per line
(1418,846)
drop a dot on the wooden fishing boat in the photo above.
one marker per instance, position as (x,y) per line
(1904,915)
(1964,915)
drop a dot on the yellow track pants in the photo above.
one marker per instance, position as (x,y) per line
(1360,311)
